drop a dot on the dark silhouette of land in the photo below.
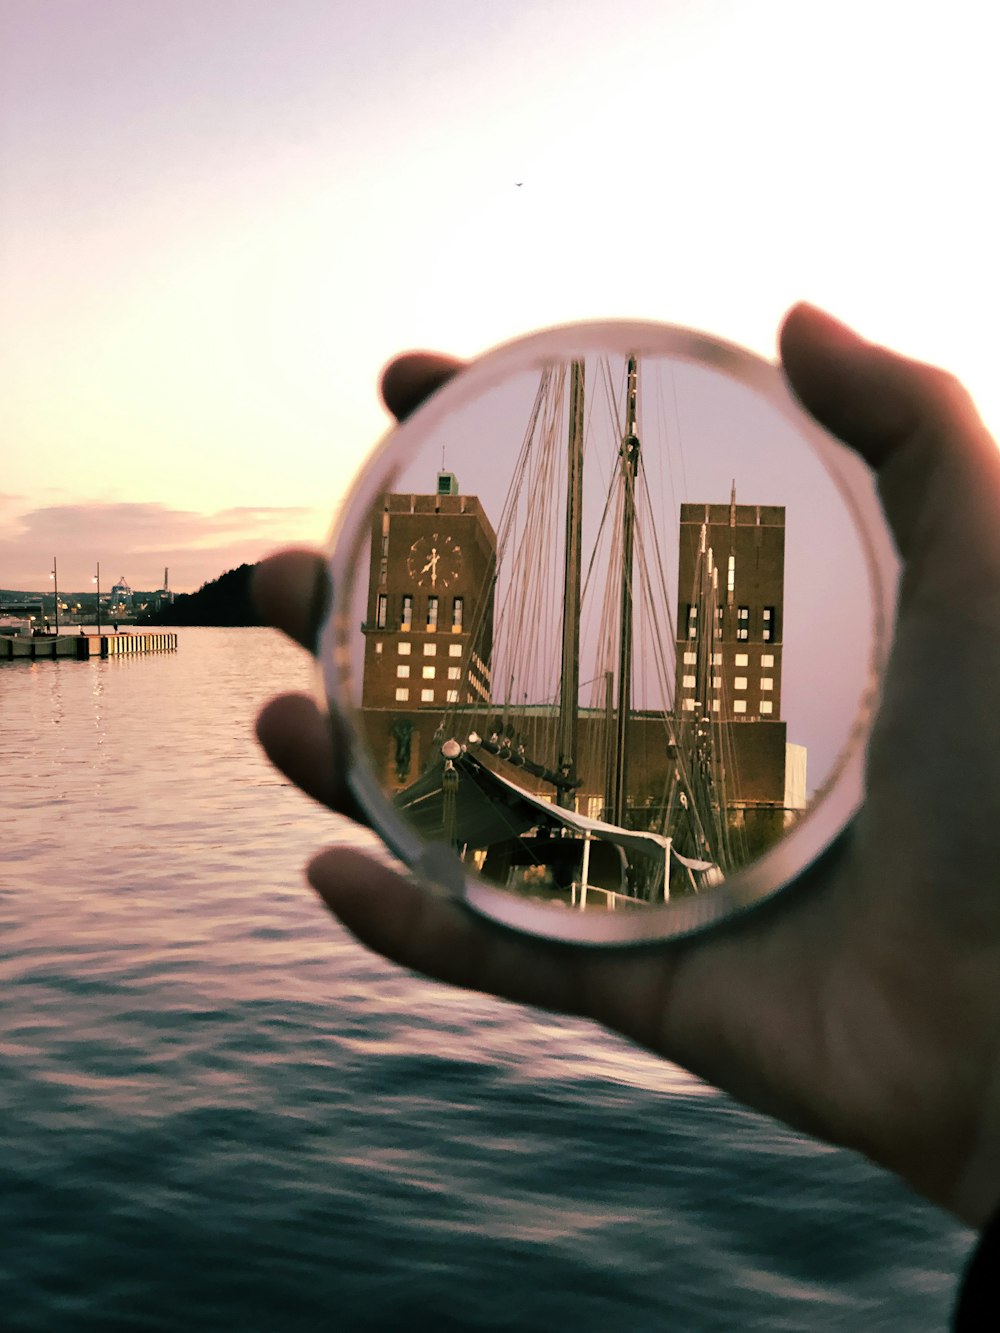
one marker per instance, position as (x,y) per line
(222,601)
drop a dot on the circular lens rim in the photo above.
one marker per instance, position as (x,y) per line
(437,866)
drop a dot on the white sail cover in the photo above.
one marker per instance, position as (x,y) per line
(490,808)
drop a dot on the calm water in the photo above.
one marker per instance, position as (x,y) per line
(216,1111)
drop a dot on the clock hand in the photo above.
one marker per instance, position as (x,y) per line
(432,566)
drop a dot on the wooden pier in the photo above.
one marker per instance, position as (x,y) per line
(82,647)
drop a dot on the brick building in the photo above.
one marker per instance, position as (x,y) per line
(429,637)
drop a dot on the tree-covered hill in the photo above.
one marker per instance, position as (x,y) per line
(223,601)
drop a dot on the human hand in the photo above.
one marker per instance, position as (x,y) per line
(860,1006)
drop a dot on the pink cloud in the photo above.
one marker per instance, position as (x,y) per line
(139,540)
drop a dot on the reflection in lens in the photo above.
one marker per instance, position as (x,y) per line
(577,643)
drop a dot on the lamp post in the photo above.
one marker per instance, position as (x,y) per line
(97,580)
(55,583)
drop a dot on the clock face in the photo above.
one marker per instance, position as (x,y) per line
(435,561)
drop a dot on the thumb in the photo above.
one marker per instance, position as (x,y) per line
(938,468)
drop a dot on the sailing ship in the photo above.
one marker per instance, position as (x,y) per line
(640,793)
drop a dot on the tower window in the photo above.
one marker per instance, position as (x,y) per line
(454,650)
(432,613)
(767,660)
(692,621)
(428,673)
(768,631)
(766,706)
(407,623)
(767,682)
(451,696)
(743,622)
(402,695)
(430,649)
(688,682)
(456,615)
(382,610)
(403,649)
(739,683)
(403,671)
(719,612)
(427,696)
(454,673)
(740,706)
(731,575)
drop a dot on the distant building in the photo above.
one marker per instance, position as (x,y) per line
(120,597)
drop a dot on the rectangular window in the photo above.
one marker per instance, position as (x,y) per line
(740,683)
(689,705)
(688,682)
(430,650)
(766,706)
(692,621)
(403,649)
(403,671)
(402,695)
(382,610)
(454,673)
(378,645)
(427,696)
(454,650)
(767,660)
(743,622)
(716,659)
(690,659)
(719,611)
(432,613)
(428,673)
(731,575)
(768,629)
(739,706)
(742,659)
(716,682)
(451,696)
(385,545)
(456,615)
(407,623)
(715,706)
(767,682)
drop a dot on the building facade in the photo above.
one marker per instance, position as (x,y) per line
(428,638)
(731,573)
(428,627)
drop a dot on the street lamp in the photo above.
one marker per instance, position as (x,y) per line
(97,580)
(54,576)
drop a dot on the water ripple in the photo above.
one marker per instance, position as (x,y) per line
(217,1111)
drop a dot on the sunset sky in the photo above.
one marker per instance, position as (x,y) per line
(218,220)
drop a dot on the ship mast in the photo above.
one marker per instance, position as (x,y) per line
(629,455)
(569,676)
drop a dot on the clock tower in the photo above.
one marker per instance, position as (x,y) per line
(429,623)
